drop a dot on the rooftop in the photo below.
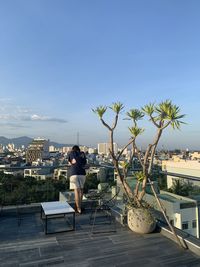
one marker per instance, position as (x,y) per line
(27,245)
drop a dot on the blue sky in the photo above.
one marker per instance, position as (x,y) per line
(60,59)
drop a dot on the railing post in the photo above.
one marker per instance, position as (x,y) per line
(197,219)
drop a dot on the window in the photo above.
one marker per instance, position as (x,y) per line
(184,225)
(194,224)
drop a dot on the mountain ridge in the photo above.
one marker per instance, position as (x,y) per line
(25,141)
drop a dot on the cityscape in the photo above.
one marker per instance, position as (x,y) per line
(178,176)
(99,133)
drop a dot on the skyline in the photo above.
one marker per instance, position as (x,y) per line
(58,60)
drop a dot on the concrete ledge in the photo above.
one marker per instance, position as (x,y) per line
(192,243)
(26,208)
(35,207)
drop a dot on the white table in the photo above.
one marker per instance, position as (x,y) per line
(55,209)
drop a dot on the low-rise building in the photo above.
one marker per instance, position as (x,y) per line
(195,155)
(60,173)
(38,173)
(182,212)
(184,167)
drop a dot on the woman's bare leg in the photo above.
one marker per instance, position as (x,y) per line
(81,194)
(77,199)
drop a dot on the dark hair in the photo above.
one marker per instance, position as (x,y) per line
(76,148)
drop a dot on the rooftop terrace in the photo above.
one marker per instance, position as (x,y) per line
(27,245)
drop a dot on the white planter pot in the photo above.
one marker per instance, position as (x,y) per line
(140,220)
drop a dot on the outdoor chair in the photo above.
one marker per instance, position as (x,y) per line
(103,214)
(95,196)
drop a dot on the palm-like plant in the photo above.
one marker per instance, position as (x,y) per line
(162,115)
(100,111)
(117,107)
(135,115)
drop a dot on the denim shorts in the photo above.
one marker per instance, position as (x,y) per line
(77,181)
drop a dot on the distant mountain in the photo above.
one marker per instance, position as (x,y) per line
(24,140)
(59,145)
(18,141)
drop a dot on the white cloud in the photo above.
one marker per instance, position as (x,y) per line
(7,117)
(12,126)
(10,113)
(24,110)
(36,117)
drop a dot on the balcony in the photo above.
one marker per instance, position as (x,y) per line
(23,243)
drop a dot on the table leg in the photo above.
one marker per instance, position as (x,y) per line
(74,221)
(45,224)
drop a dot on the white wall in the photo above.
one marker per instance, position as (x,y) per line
(176,214)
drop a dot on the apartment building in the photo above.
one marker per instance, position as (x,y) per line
(37,150)
(103,148)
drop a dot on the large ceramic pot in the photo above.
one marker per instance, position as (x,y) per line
(140,220)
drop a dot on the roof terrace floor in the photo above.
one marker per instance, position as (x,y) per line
(27,245)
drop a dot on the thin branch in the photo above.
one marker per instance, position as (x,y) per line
(106,125)
(154,122)
(154,150)
(112,144)
(121,152)
(166,125)
(146,156)
(115,122)
(137,188)
(139,155)
(184,245)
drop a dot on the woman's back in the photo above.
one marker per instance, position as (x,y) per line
(78,161)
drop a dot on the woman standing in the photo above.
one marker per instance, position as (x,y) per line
(77,160)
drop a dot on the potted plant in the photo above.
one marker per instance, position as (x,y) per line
(162,116)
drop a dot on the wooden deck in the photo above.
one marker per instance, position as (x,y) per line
(27,245)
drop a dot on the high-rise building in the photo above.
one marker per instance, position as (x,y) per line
(1,148)
(11,147)
(37,150)
(51,149)
(103,148)
(65,149)
(92,150)
(84,148)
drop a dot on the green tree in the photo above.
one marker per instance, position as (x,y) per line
(17,189)
(180,187)
(91,182)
